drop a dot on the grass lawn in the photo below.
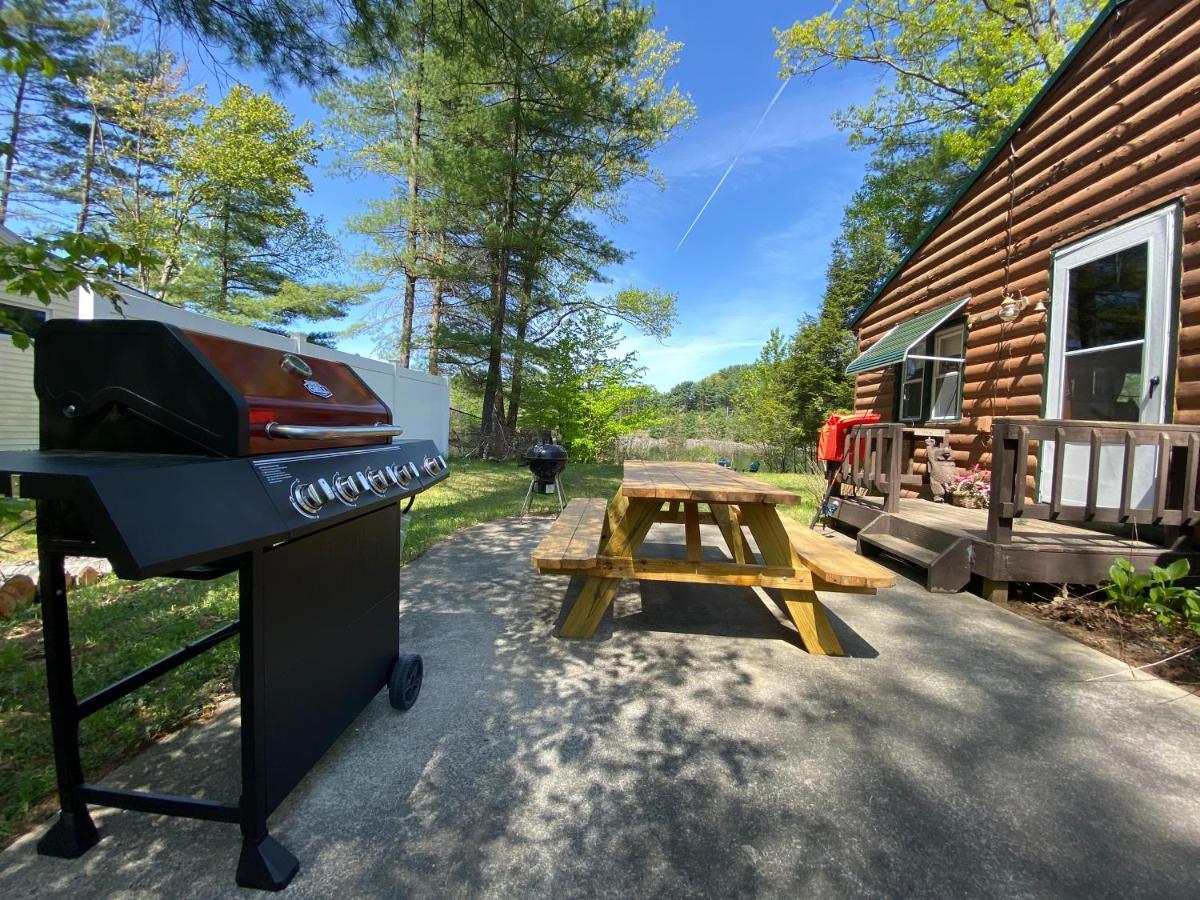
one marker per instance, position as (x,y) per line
(17,540)
(119,626)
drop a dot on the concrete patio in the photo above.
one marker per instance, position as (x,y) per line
(693,750)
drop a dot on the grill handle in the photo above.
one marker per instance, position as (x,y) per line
(330,432)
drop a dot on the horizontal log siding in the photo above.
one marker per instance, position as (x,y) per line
(1118,135)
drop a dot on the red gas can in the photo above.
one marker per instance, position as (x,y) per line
(831,440)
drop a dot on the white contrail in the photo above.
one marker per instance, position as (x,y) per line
(733,162)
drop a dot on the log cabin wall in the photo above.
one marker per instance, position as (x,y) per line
(1116,136)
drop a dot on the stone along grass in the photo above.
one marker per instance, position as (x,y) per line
(119,626)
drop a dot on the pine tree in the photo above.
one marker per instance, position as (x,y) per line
(246,245)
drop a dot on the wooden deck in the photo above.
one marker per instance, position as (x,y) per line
(1040,551)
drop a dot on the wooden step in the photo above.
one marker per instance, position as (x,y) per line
(921,557)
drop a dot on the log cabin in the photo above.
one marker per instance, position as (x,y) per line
(1046,326)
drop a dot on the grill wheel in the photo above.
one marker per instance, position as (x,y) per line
(405,683)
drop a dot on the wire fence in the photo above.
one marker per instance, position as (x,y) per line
(468,440)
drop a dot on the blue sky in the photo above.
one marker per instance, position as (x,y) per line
(756,260)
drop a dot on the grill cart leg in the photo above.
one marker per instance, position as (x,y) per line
(74,833)
(264,862)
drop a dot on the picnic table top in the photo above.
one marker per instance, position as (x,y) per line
(697,482)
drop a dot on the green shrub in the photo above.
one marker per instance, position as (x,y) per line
(1172,604)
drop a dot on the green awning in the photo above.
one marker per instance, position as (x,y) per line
(894,346)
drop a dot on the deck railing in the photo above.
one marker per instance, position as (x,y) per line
(874,461)
(1111,472)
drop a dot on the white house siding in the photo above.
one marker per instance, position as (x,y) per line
(18,404)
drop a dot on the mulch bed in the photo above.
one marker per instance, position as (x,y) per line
(1136,639)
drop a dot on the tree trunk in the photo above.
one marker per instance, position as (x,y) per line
(14,135)
(223,297)
(491,388)
(517,378)
(414,145)
(85,177)
(435,309)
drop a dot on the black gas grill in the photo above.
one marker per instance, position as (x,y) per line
(181,454)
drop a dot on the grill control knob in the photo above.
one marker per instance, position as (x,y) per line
(392,474)
(412,467)
(306,498)
(346,488)
(377,481)
(403,474)
(433,465)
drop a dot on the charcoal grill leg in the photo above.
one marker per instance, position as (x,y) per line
(74,833)
(264,862)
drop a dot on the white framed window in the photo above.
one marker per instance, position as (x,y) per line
(931,377)
(946,397)
(912,390)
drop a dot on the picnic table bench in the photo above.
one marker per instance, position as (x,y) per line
(599,539)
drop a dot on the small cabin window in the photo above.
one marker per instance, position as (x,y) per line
(931,378)
(947,375)
(912,390)
(23,317)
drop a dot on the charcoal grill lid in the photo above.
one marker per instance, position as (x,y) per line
(546,451)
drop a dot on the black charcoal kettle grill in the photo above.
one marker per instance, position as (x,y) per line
(546,462)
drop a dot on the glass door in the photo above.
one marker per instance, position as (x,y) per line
(1108,357)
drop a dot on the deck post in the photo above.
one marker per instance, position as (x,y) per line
(1005,447)
(995,591)
(895,452)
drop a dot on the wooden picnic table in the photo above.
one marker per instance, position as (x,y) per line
(599,539)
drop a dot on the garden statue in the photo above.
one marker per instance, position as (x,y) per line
(941,468)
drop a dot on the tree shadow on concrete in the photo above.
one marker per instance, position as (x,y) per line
(969,757)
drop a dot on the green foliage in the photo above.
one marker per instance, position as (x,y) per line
(285,38)
(502,153)
(954,75)
(49,267)
(814,374)
(585,393)
(196,204)
(958,70)
(1157,593)
(763,399)
(244,244)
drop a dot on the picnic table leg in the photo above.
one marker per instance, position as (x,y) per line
(804,607)
(629,521)
(731,530)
